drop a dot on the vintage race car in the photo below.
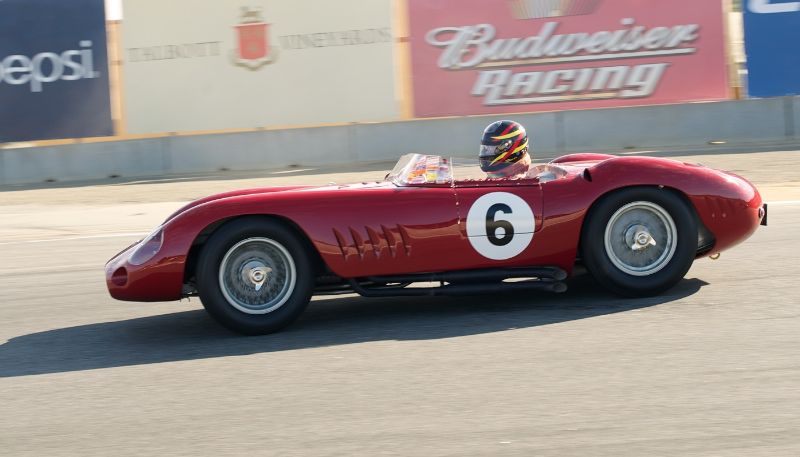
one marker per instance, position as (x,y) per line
(435,226)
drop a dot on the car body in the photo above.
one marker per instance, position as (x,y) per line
(426,219)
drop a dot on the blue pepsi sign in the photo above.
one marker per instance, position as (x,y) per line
(772,34)
(53,70)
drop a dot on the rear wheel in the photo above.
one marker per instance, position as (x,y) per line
(639,241)
(254,276)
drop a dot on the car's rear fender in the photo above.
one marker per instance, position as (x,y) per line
(705,239)
(726,206)
(569,202)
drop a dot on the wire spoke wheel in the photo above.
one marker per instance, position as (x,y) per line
(639,241)
(257,275)
(640,238)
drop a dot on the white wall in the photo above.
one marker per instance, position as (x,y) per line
(319,62)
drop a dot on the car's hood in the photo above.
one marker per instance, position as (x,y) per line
(270,190)
(233,193)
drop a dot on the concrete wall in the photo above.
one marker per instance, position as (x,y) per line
(761,121)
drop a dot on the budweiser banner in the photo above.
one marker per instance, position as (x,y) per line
(502,56)
(210,65)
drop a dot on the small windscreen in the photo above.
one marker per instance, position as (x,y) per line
(420,170)
(431,170)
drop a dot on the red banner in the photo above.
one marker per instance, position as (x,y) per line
(503,56)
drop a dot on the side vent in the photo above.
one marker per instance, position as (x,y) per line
(376,241)
(389,241)
(404,236)
(358,242)
(373,242)
(342,243)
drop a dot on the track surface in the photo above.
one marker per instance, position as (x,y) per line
(711,368)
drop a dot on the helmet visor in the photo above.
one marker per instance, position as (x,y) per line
(490,151)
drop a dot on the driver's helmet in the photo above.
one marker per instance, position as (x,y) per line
(504,150)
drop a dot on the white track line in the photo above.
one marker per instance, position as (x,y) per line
(286,172)
(56,268)
(784,202)
(72,238)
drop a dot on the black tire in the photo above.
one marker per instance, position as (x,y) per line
(256,252)
(636,212)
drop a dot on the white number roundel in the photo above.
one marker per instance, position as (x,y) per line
(500,225)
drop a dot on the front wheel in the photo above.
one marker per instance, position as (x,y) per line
(639,241)
(254,276)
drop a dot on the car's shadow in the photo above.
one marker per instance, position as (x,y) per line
(193,335)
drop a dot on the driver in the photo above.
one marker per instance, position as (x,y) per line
(504,150)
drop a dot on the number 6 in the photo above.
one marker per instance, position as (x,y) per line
(500,225)
(493,225)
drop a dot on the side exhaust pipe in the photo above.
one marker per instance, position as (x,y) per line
(476,282)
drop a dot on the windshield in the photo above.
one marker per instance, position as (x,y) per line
(431,170)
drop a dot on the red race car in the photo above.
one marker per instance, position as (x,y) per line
(256,256)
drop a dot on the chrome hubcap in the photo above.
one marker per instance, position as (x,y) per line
(641,238)
(638,238)
(255,272)
(257,275)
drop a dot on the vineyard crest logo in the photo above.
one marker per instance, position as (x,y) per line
(252,34)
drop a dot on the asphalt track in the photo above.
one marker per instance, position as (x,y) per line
(712,368)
